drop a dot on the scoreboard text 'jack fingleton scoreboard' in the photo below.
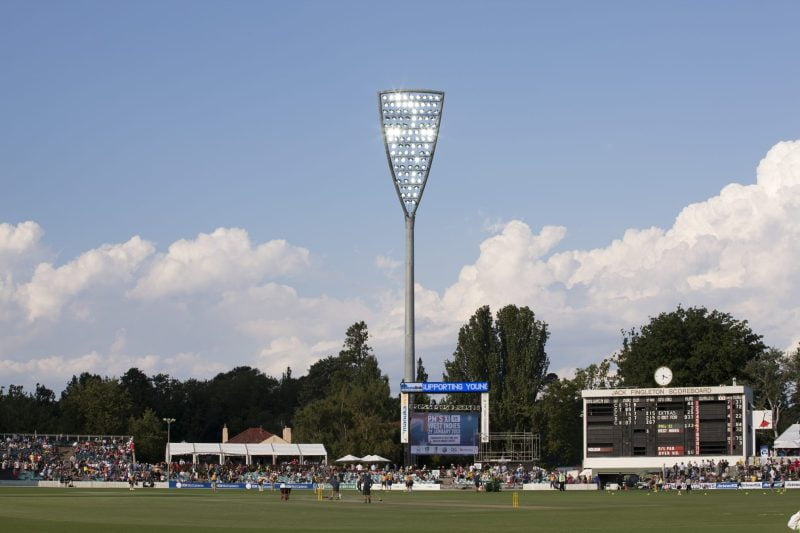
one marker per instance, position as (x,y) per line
(629,429)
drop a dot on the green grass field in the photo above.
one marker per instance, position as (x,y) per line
(149,510)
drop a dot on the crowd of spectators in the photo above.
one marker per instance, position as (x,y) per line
(293,472)
(67,459)
(769,469)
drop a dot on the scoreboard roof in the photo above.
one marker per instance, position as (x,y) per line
(663,391)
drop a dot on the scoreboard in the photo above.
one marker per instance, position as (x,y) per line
(653,427)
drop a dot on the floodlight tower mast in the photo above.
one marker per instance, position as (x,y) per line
(410,125)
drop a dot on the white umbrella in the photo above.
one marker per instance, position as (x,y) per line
(375,459)
(349,459)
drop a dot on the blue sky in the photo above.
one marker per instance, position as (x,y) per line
(171,120)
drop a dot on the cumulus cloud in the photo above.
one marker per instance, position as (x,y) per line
(19,239)
(50,288)
(289,329)
(222,259)
(387,264)
(58,368)
(735,252)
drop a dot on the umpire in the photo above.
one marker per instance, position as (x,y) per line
(366,486)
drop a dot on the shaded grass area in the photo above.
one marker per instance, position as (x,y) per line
(122,511)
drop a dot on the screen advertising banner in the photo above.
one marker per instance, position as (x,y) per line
(444,433)
(442,387)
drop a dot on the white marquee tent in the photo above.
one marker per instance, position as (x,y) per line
(349,459)
(375,459)
(789,439)
(248,451)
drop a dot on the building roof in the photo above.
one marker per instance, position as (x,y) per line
(251,436)
(789,439)
(251,450)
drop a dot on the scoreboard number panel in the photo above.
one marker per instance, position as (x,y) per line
(663,423)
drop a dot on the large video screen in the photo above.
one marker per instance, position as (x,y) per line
(448,433)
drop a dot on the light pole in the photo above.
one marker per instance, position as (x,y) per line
(410,125)
(169,422)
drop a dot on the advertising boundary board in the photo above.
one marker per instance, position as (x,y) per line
(297,486)
(546,486)
(240,486)
(395,486)
(77,484)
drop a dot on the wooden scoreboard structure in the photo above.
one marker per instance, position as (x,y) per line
(647,429)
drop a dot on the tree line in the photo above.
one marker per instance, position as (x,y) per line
(345,402)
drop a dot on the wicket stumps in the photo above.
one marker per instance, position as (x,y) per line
(319,492)
(515,500)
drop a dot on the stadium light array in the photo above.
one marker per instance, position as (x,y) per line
(410,125)
(410,122)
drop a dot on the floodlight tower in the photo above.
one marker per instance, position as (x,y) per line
(410,125)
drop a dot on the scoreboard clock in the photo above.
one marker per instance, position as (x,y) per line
(663,376)
(650,427)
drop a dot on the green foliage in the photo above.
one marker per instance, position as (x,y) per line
(510,354)
(95,405)
(21,411)
(770,381)
(769,375)
(558,418)
(701,348)
(422,377)
(354,412)
(140,390)
(149,436)
(558,413)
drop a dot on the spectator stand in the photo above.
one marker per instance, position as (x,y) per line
(37,457)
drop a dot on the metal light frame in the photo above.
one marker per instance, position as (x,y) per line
(410,124)
(169,422)
(436,98)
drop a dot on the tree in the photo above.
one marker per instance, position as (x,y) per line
(558,413)
(510,354)
(523,363)
(139,388)
(422,377)
(21,411)
(149,436)
(96,405)
(318,379)
(769,376)
(792,369)
(287,398)
(241,398)
(558,418)
(701,348)
(477,353)
(355,412)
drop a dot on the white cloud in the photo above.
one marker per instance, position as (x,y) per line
(735,252)
(387,264)
(222,259)
(120,341)
(50,288)
(58,368)
(289,329)
(19,246)
(19,239)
